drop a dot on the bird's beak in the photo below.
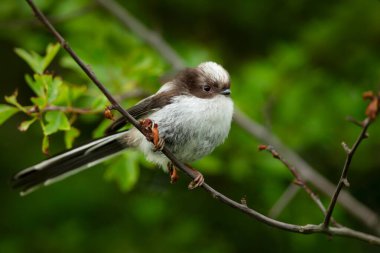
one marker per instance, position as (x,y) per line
(226,92)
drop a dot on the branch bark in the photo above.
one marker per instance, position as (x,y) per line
(298,180)
(343,179)
(307,229)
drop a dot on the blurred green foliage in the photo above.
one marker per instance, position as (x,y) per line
(298,67)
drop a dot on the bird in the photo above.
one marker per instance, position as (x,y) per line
(190,115)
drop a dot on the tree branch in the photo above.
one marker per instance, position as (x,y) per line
(298,179)
(307,229)
(343,179)
(352,205)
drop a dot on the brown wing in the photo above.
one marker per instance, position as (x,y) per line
(143,108)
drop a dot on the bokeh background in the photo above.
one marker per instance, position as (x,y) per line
(298,67)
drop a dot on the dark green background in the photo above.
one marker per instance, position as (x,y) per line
(299,67)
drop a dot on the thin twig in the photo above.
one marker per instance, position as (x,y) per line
(307,229)
(343,181)
(352,205)
(298,179)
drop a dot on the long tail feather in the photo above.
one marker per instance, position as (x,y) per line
(68,163)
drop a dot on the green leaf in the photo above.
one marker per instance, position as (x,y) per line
(46,87)
(70,136)
(41,85)
(53,89)
(6,112)
(37,62)
(125,170)
(12,99)
(26,124)
(45,145)
(51,51)
(37,87)
(32,59)
(38,101)
(69,93)
(56,120)
(43,80)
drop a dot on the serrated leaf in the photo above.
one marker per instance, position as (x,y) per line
(125,170)
(41,84)
(6,112)
(56,120)
(63,97)
(26,124)
(69,93)
(45,145)
(37,87)
(38,101)
(70,136)
(32,59)
(12,99)
(51,51)
(36,61)
(53,89)
(43,80)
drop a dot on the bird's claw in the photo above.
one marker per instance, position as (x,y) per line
(152,134)
(198,181)
(173,173)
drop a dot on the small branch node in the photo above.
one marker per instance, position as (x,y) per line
(355,121)
(345,147)
(243,201)
(90,68)
(64,43)
(345,182)
(298,182)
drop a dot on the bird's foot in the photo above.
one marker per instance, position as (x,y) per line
(198,180)
(173,173)
(152,134)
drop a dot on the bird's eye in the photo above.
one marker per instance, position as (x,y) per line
(207,88)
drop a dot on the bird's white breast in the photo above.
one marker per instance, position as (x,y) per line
(192,127)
